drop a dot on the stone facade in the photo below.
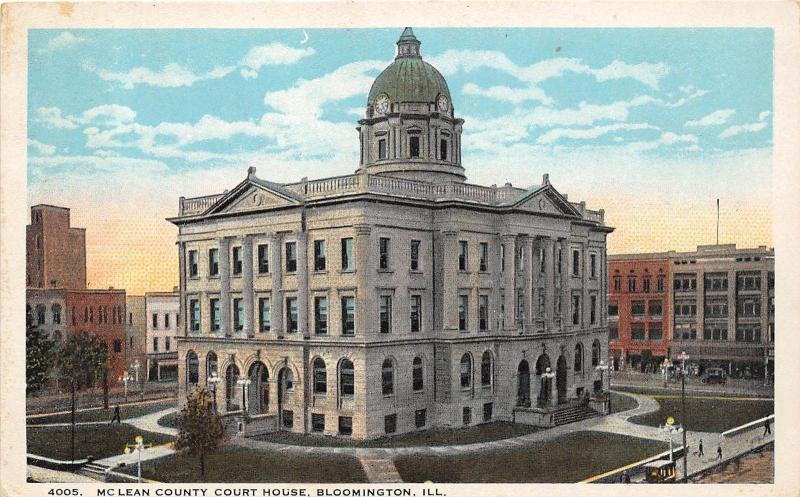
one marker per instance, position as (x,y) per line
(394,299)
(162,311)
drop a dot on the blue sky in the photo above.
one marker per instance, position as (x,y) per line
(624,118)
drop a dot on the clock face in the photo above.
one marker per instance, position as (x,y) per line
(382,104)
(442,103)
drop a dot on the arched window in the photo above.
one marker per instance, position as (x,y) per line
(288,378)
(417,379)
(346,378)
(192,369)
(211,365)
(320,376)
(596,353)
(578,358)
(40,311)
(231,375)
(486,369)
(466,371)
(56,310)
(387,377)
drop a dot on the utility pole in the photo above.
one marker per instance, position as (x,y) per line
(683,358)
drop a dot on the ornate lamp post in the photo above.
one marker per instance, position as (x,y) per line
(244,382)
(547,377)
(125,378)
(136,367)
(603,367)
(665,370)
(670,428)
(683,357)
(213,380)
(139,446)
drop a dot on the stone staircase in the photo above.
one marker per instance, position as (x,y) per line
(94,470)
(572,413)
(380,469)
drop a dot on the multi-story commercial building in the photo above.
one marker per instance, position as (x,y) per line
(136,337)
(397,298)
(56,252)
(639,317)
(722,302)
(162,311)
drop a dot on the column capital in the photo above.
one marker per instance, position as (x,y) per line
(363,229)
(507,236)
(449,233)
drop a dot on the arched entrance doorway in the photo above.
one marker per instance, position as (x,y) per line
(258,394)
(285,384)
(523,384)
(542,368)
(561,379)
(231,375)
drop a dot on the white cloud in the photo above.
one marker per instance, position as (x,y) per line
(107,114)
(51,116)
(590,133)
(41,148)
(506,94)
(273,54)
(170,76)
(739,129)
(716,118)
(62,41)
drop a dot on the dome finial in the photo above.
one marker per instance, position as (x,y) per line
(408,44)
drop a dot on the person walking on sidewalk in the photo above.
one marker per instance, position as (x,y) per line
(116,417)
(719,452)
(767,430)
(700,447)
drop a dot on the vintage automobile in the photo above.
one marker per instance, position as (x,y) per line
(661,471)
(714,375)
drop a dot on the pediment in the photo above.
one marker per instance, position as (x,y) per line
(548,201)
(250,196)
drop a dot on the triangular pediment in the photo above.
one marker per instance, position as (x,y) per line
(253,195)
(547,200)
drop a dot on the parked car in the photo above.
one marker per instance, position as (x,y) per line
(714,375)
(660,471)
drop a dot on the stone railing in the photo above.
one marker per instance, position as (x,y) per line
(196,205)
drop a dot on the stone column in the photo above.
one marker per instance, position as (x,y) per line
(302,284)
(182,286)
(585,316)
(225,285)
(496,272)
(536,281)
(450,280)
(509,242)
(247,285)
(566,284)
(276,299)
(549,283)
(527,284)
(362,246)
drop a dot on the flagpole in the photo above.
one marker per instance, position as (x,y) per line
(717,221)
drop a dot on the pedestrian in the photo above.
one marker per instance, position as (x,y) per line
(700,446)
(719,452)
(627,477)
(767,429)
(116,416)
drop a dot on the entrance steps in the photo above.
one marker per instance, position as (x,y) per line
(380,469)
(573,413)
(94,470)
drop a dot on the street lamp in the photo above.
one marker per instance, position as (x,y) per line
(603,367)
(546,377)
(244,382)
(136,367)
(670,428)
(683,357)
(665,370)
(139,446)
(213,380)
(125,378)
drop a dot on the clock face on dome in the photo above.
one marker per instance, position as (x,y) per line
(442,103)
(382,104)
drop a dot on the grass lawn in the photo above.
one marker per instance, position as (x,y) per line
(170,420)
(566,459)
(439,436)
(707,414)
(239,465)
(96,441)
(126,412)
(621,402)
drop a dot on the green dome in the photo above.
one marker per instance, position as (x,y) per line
(409,78)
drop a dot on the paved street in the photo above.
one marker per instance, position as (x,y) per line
(651,381)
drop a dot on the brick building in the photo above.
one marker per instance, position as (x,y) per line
(56,252)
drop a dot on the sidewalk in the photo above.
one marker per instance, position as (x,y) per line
(649,381)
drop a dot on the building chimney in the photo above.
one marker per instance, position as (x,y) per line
(545,179)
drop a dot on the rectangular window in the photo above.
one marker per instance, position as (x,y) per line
(541,304)
(715,332)
(213,262)
(348,316)
(193,271)
(646,285)
(502,257)
(155,321)
(660,284)
(637,308)
(617,283)
(166,321)
(264,313)
(613,331)
(443,149)
(347,378)
(463,309)
(155,344)
(345,425)
(194,312)
(749,307)
(656,332)
(420,418)
(383,259)
(385,313)
(462,255)
(237,261)
(576,309)
(466,416)
(748,333)
(613,309)
(632,284)
(487,411)
(542,257)
(415,255)
(413,146)
(317,423)
(483,312)
(321,315)
(288,418)
(291,315)
(319,255)
(593,309)
(593,265)
(347,254)
(382,148)
(215,314)
(167,343)
(558,260)
(637,332)
(238,314)
(291,257)
(263,259)
(654,308)
(748,281)
(576,263)
(390,423)
(416,313)
(484,262)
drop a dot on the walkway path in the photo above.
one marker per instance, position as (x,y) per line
(148,422)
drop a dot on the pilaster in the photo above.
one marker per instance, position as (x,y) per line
(302,284)
(225,285)
(364,297)
(509,242)
(247,285)
(276,299)
(450,280)
(527,284)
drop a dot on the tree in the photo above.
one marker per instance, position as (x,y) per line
(200,428)
(38,359)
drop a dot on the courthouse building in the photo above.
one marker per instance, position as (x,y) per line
(396,298)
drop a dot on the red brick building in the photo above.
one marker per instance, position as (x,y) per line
(100,313)
(639,315)
(56,252)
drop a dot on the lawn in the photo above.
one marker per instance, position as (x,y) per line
(125,411)
(434,437)
(621,402)
(239,465)
(566,459)
(96,441)
(170,420)
(707,413)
